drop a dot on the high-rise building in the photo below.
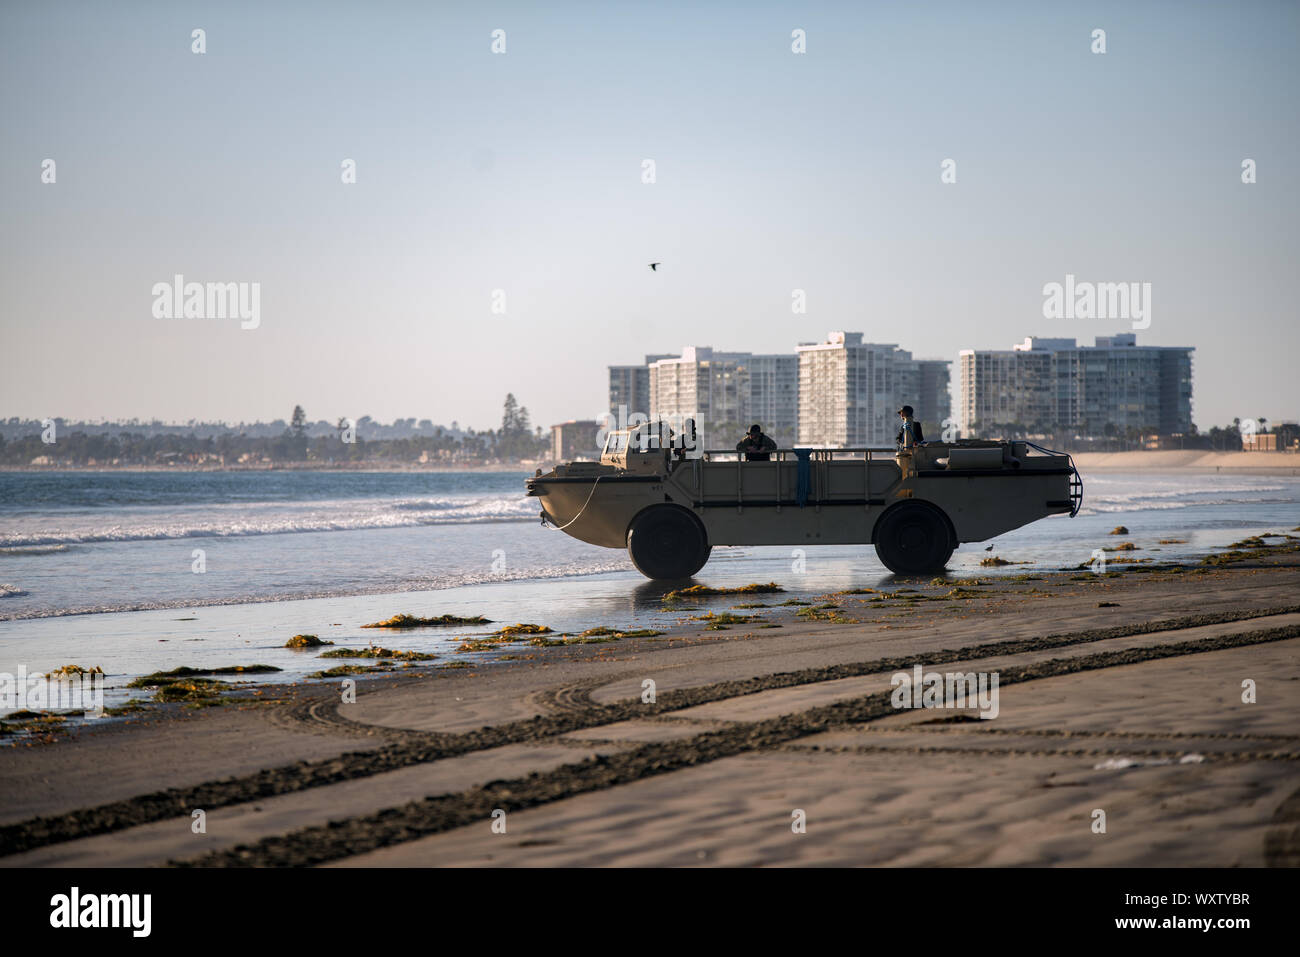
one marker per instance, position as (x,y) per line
(850,391)
(933,395)
(1049,385)
(774,397)
(629,386)
(711,387)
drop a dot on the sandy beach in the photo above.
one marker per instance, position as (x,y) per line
(769,741)
(1195,460)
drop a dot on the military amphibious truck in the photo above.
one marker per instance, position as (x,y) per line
(669,507)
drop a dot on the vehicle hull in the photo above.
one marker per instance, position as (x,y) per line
(834,502)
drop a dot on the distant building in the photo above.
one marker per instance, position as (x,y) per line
(1053,385)
(574,440)
(931,399)
(1288,436)
(774,397)
(850,391)
(726,392)
(629,386)
(1259,442)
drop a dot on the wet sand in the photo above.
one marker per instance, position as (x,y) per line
(1119,693)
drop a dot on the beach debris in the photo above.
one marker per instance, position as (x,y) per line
(485,643)
(299,642)
(342,671)
(705,591)
(504,636)
(374,651)
(192,690)
(603,631)
(441,621)
(593,636)
(70,671)
(824,612)
(43,725)
(723,620)
(160,679)
(1247,549)
(512,631)
(1119,530)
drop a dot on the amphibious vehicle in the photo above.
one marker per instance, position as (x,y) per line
(668,507)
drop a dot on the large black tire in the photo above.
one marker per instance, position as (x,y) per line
(913,539)
(667,543)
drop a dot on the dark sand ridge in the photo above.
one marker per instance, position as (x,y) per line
(558,685)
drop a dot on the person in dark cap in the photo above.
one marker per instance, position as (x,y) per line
(909,432)
(756,445)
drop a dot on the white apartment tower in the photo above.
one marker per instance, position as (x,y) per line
(850,391)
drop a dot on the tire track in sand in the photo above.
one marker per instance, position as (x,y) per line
(433,815)
(426,747)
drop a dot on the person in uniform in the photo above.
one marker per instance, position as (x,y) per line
(755,445)
(909,432)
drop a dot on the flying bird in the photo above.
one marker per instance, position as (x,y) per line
(655,266)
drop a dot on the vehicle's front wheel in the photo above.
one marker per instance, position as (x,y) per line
(913,539)
(667,543)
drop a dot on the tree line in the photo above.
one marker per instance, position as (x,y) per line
(514,441)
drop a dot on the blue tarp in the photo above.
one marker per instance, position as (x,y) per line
(803,484)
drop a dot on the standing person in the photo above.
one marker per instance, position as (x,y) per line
(756,445)
(909,432)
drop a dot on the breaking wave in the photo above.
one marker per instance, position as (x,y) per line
(56,532)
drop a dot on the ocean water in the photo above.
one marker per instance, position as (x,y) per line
(100,567)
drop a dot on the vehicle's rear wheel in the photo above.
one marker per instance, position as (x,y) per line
(667,543)
(913,539)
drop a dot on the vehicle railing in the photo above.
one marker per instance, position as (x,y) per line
(818,458)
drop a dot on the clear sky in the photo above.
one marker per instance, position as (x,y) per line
(523,172)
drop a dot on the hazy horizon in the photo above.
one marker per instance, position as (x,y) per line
(522,171)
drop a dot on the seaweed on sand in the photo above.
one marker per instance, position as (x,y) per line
(160,679)
(375,652)
(70,671)
(441,621)
(705,591)
(300,642)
